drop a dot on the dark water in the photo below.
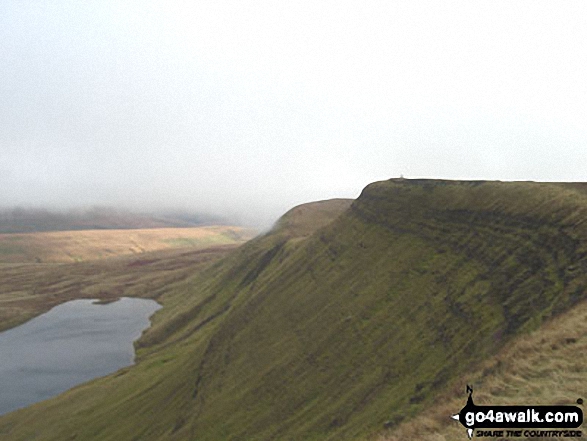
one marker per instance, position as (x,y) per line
(72,343)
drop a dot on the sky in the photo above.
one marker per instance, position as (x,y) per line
(248,108)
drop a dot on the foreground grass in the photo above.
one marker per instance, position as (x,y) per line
(84,245)
(548,367)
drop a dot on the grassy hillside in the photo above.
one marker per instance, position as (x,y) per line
(329,335)
(303,220)
(548,366)
(83,245)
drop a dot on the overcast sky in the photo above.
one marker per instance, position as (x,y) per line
(251,107)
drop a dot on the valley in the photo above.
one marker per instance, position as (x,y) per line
(349,320)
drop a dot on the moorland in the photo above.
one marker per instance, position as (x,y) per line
(349,320)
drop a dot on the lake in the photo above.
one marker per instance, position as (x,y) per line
(71,344)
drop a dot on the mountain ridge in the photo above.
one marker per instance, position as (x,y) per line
(359,323)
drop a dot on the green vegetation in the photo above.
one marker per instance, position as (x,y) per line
(545,367)
(328,333)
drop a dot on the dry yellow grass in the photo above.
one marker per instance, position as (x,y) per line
(83,245)
(548,366)
(27,290)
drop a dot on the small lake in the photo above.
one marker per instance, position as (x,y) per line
(71,344)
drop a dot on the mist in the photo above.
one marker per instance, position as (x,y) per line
(244,109)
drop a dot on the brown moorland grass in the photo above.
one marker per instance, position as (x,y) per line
(546,367)
(27,290)
(83,245)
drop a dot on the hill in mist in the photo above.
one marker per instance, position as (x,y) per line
(26,220)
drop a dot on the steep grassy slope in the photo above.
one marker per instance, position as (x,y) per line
(83,245)
(108,404)
(303,220)
(548,366)
(364,321)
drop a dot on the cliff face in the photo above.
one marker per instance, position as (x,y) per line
(529,238)
(365,320)
(331,333)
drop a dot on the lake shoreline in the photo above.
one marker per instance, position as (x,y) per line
(74,342)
